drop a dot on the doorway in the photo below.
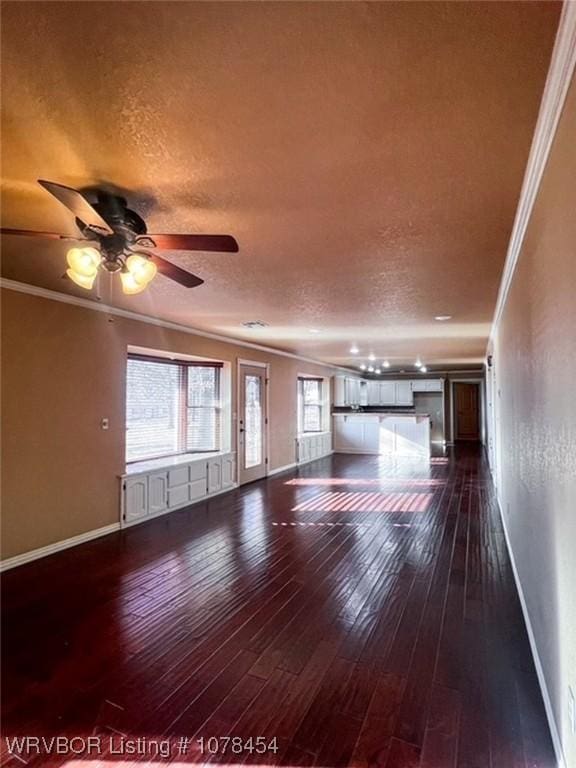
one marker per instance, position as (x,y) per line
(466,410)
(252,423)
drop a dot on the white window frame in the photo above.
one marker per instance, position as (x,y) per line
(225,397)
(324,406)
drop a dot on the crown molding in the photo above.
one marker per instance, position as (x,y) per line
(558,81)
(77,301)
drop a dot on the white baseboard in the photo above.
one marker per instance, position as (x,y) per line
(50,549)
(285,468)
(554,732)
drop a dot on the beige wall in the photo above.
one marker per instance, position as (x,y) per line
(535,364)
(63,370)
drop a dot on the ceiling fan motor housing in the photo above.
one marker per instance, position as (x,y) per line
(126,224)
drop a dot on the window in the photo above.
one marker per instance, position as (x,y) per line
(309,405)
(253,421)
(172,407)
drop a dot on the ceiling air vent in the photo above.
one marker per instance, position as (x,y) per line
(254,324)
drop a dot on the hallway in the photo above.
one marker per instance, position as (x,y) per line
(357,598)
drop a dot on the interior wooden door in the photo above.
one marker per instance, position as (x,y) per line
(252,448)
(467,411)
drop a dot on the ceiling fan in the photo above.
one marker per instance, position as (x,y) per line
(116,237)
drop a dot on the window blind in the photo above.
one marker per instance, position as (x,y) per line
(172,407)
(203,409)
(310,404)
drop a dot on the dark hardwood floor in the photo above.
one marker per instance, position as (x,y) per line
(361,611)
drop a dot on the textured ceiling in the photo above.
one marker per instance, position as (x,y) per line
(368,157)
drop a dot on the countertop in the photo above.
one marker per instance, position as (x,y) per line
(169,462)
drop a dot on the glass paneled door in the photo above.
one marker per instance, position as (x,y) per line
(252,422)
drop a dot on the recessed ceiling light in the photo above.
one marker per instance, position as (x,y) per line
(423,369)
(371,369)
(385,364)
(418,363)
(362,367)
(378,370)
(354,349)
(371,356)
(442,318)
(255,324)
(314,330)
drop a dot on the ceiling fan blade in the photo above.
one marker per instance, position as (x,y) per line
(77,203)
(221,243)
(31,233)
(179,275)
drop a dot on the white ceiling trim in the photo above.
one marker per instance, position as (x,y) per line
(77,301)
(558,81)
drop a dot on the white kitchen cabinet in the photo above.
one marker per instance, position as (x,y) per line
(178,476)
(214,475)
(387,393)
(135,497)
(348,434)
(371,435)
(178,496)
(197,470)
(427,385)
(404,395)
(157,492)
(352,391)
(373,391)
(197,489)
(356,433)
(405,436)
(161,489)
(348,391)
(313,446)
(398,435)
(339,391)
(228,470)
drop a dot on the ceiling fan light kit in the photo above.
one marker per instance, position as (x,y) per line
(84,281)
(83,266)
(119,232)
(137,272)
(130,285)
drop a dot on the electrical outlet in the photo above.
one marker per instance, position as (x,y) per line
(104,424)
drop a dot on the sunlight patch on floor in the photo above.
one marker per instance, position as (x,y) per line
(331,481)
(366,502)
(321,525)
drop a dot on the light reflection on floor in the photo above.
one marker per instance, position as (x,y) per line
(321,525)
(365,502)
(330,481)
(300,524)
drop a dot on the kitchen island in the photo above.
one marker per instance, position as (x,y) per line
(388,433)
